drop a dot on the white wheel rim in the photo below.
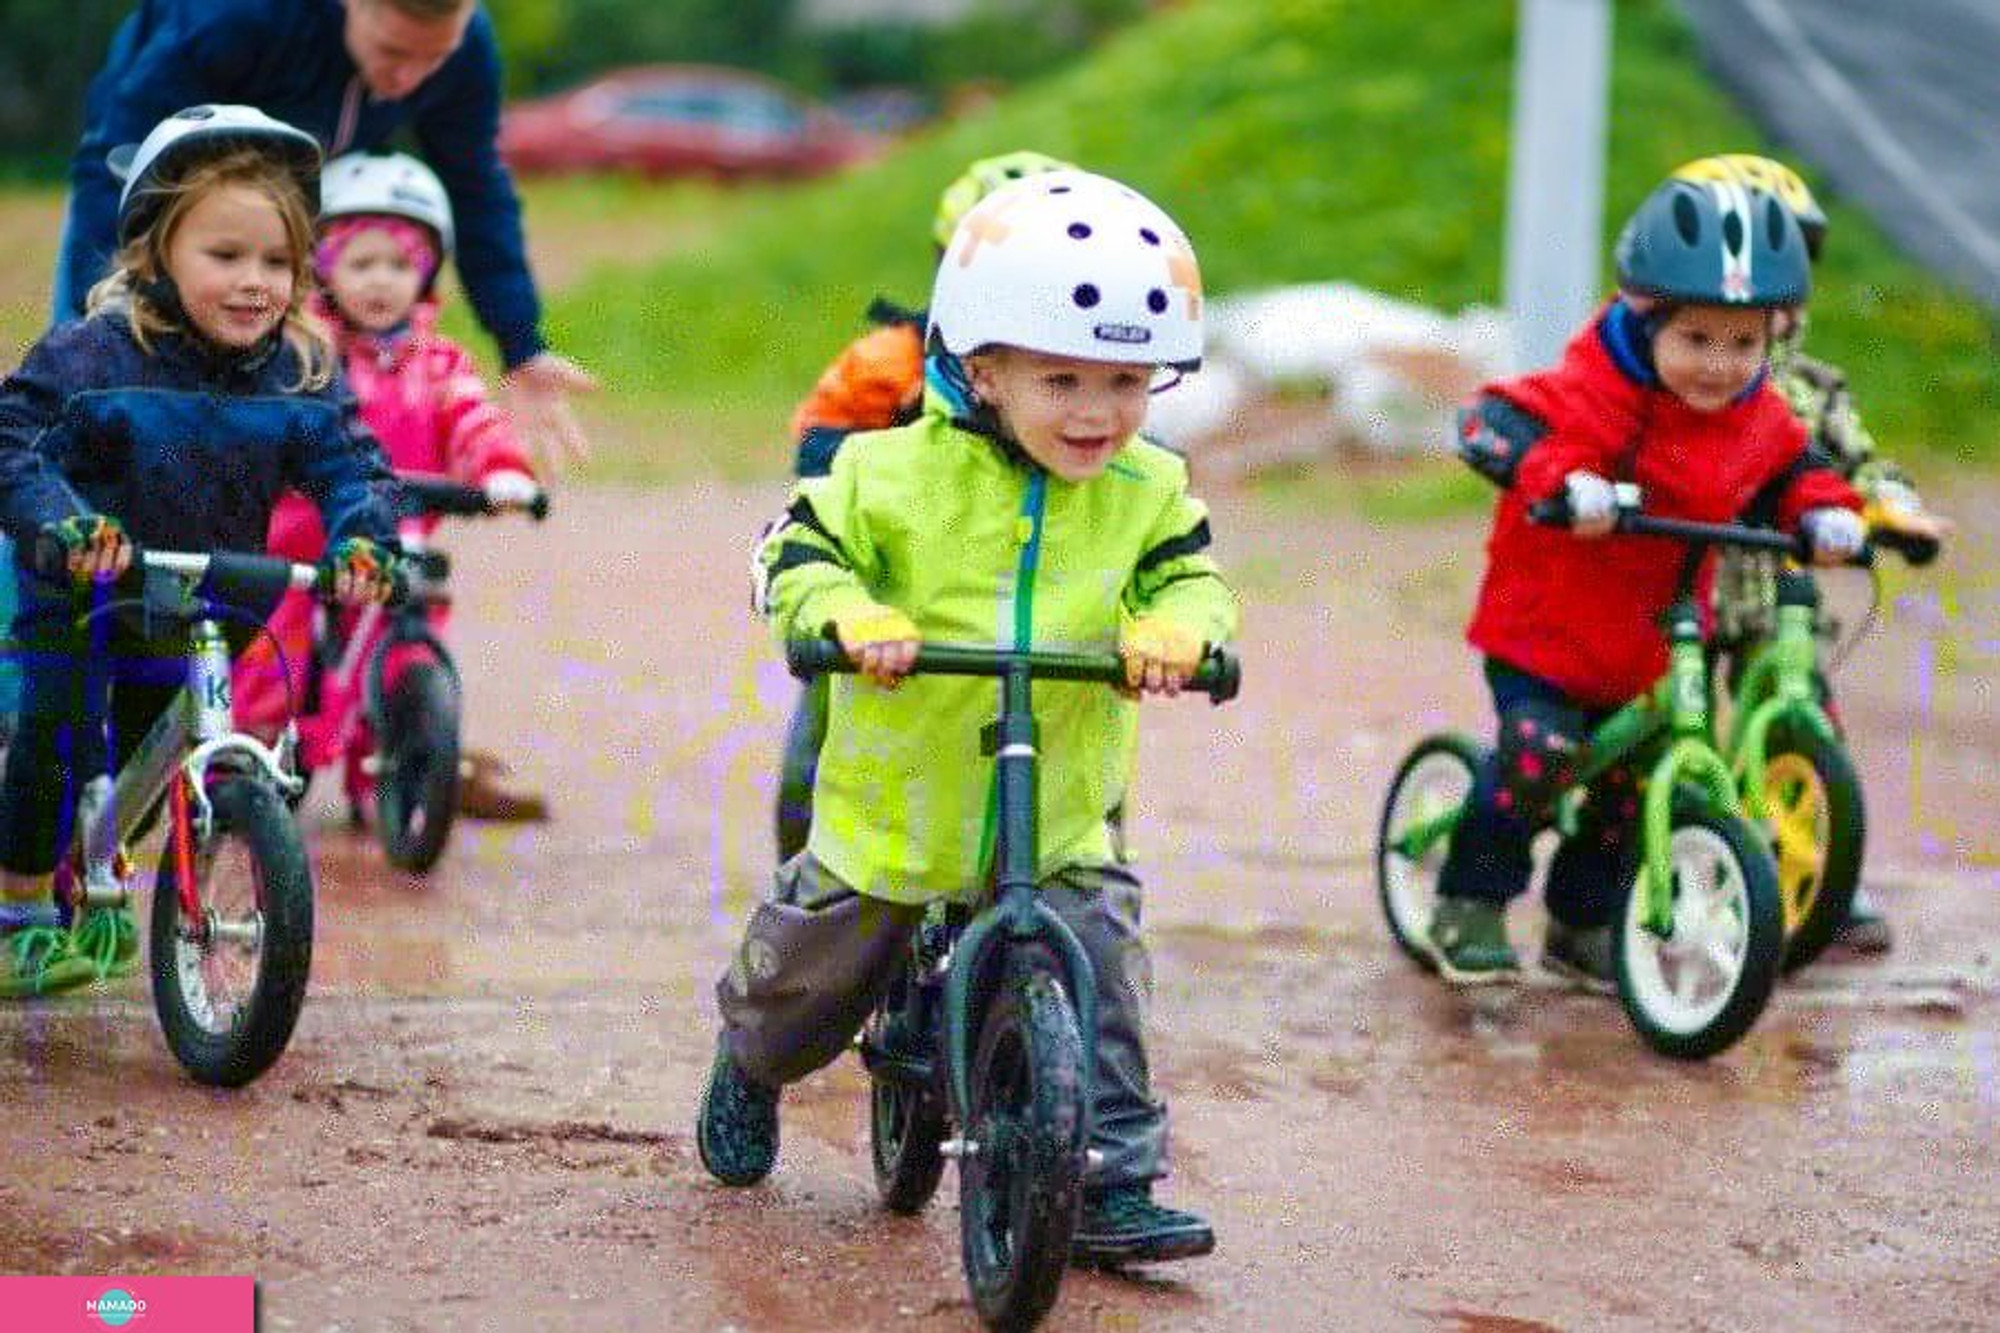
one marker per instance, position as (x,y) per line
(1682,983)
(1438,782)
(218,979)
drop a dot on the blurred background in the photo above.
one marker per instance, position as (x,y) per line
(716,189)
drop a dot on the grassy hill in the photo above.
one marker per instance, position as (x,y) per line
(1297,140)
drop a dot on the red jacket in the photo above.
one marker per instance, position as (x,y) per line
(1584,613)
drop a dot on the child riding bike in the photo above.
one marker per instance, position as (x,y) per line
(1666,387)
(1061,300)
(1746,581)
(876,382)
(173,415)
(385,229)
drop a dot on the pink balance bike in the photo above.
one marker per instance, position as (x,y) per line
(382,694)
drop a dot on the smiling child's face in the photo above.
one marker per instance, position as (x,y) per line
(1069,415)
(231,260)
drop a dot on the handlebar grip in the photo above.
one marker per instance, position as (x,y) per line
(538,508)
(1917,548)
(807,658)
(48,558)
(1552,511)
(1220,676)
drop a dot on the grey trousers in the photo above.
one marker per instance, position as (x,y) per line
(817,956)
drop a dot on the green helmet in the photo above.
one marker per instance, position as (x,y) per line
(981,179)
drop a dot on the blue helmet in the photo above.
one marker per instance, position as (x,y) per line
(1715,242)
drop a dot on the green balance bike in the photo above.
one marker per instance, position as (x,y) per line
(1698,934)
(982,1050)
(1791,766)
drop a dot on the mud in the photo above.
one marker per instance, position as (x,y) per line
(484,1119)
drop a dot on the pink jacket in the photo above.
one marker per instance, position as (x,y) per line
(424,399)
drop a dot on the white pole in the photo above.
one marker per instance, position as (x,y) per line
(1555,186)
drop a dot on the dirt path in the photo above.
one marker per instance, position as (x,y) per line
(483,1121)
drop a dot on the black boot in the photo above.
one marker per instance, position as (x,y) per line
(1122,1225)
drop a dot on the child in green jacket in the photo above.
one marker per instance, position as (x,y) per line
(1034,516)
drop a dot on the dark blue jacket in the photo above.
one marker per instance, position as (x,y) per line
(289,59)
(189,447)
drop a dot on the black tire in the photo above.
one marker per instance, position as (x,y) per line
(1725,855)
(1437,772)
(1818,829)
(906,1123)
(416,786)
(1021,1190)
(253,874)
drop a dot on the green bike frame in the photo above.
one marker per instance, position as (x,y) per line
(1780,681)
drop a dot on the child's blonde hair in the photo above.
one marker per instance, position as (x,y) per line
(141,262)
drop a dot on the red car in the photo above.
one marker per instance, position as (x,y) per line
(680,120)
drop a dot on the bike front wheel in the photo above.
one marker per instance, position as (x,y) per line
(1695,992)
(228,986)
(1021,1180)
(1817,828)
(1433,781)
(416,787)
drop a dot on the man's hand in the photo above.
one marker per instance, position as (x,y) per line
(539,390)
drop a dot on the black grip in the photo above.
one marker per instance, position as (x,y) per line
(538,508)
(1918,548)
(1552,511)
(49,558)
(807,658)
(1220,676)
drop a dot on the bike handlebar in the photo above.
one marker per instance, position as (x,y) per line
(1915,548)
(1219,676)
(230,577)
(434,494)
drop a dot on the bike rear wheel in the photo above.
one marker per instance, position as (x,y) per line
(1817,827)
(228,988)
(906,1119)
(1433,779)
(1696,992)
(1020,1184)
(416,785)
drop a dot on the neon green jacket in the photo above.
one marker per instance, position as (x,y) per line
(978,546)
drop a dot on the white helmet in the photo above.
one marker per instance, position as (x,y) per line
(387,185)
(197,133)
(1071,264)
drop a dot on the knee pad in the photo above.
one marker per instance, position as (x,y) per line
(1536,759)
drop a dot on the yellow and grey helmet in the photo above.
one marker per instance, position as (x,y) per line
(981,179)
(1774,178)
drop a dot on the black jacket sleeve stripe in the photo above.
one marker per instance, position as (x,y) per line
(1176,547)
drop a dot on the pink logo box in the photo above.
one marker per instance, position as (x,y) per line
(141,1304)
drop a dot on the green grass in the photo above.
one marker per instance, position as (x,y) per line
(1297,141)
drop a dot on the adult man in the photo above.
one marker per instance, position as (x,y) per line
(351,73)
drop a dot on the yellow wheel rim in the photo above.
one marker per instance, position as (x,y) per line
(1797,809)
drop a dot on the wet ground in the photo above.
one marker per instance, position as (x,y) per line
(483,1121)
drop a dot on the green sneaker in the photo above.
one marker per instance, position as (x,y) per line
(41,960)
(109,939)
(1468,942)
(1581,957)
(737,1134)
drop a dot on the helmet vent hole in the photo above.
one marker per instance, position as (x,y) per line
(1079,230)
(1156,301)
(1085,295)
(1059,189)
(1732,232)
(1149,236)
(1774,225)
(1687,218)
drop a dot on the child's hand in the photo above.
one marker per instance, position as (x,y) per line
(880,640)
(1593,504)
(357,570)
(1836,535)
(510,490)
(1159,655)
(94,546)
